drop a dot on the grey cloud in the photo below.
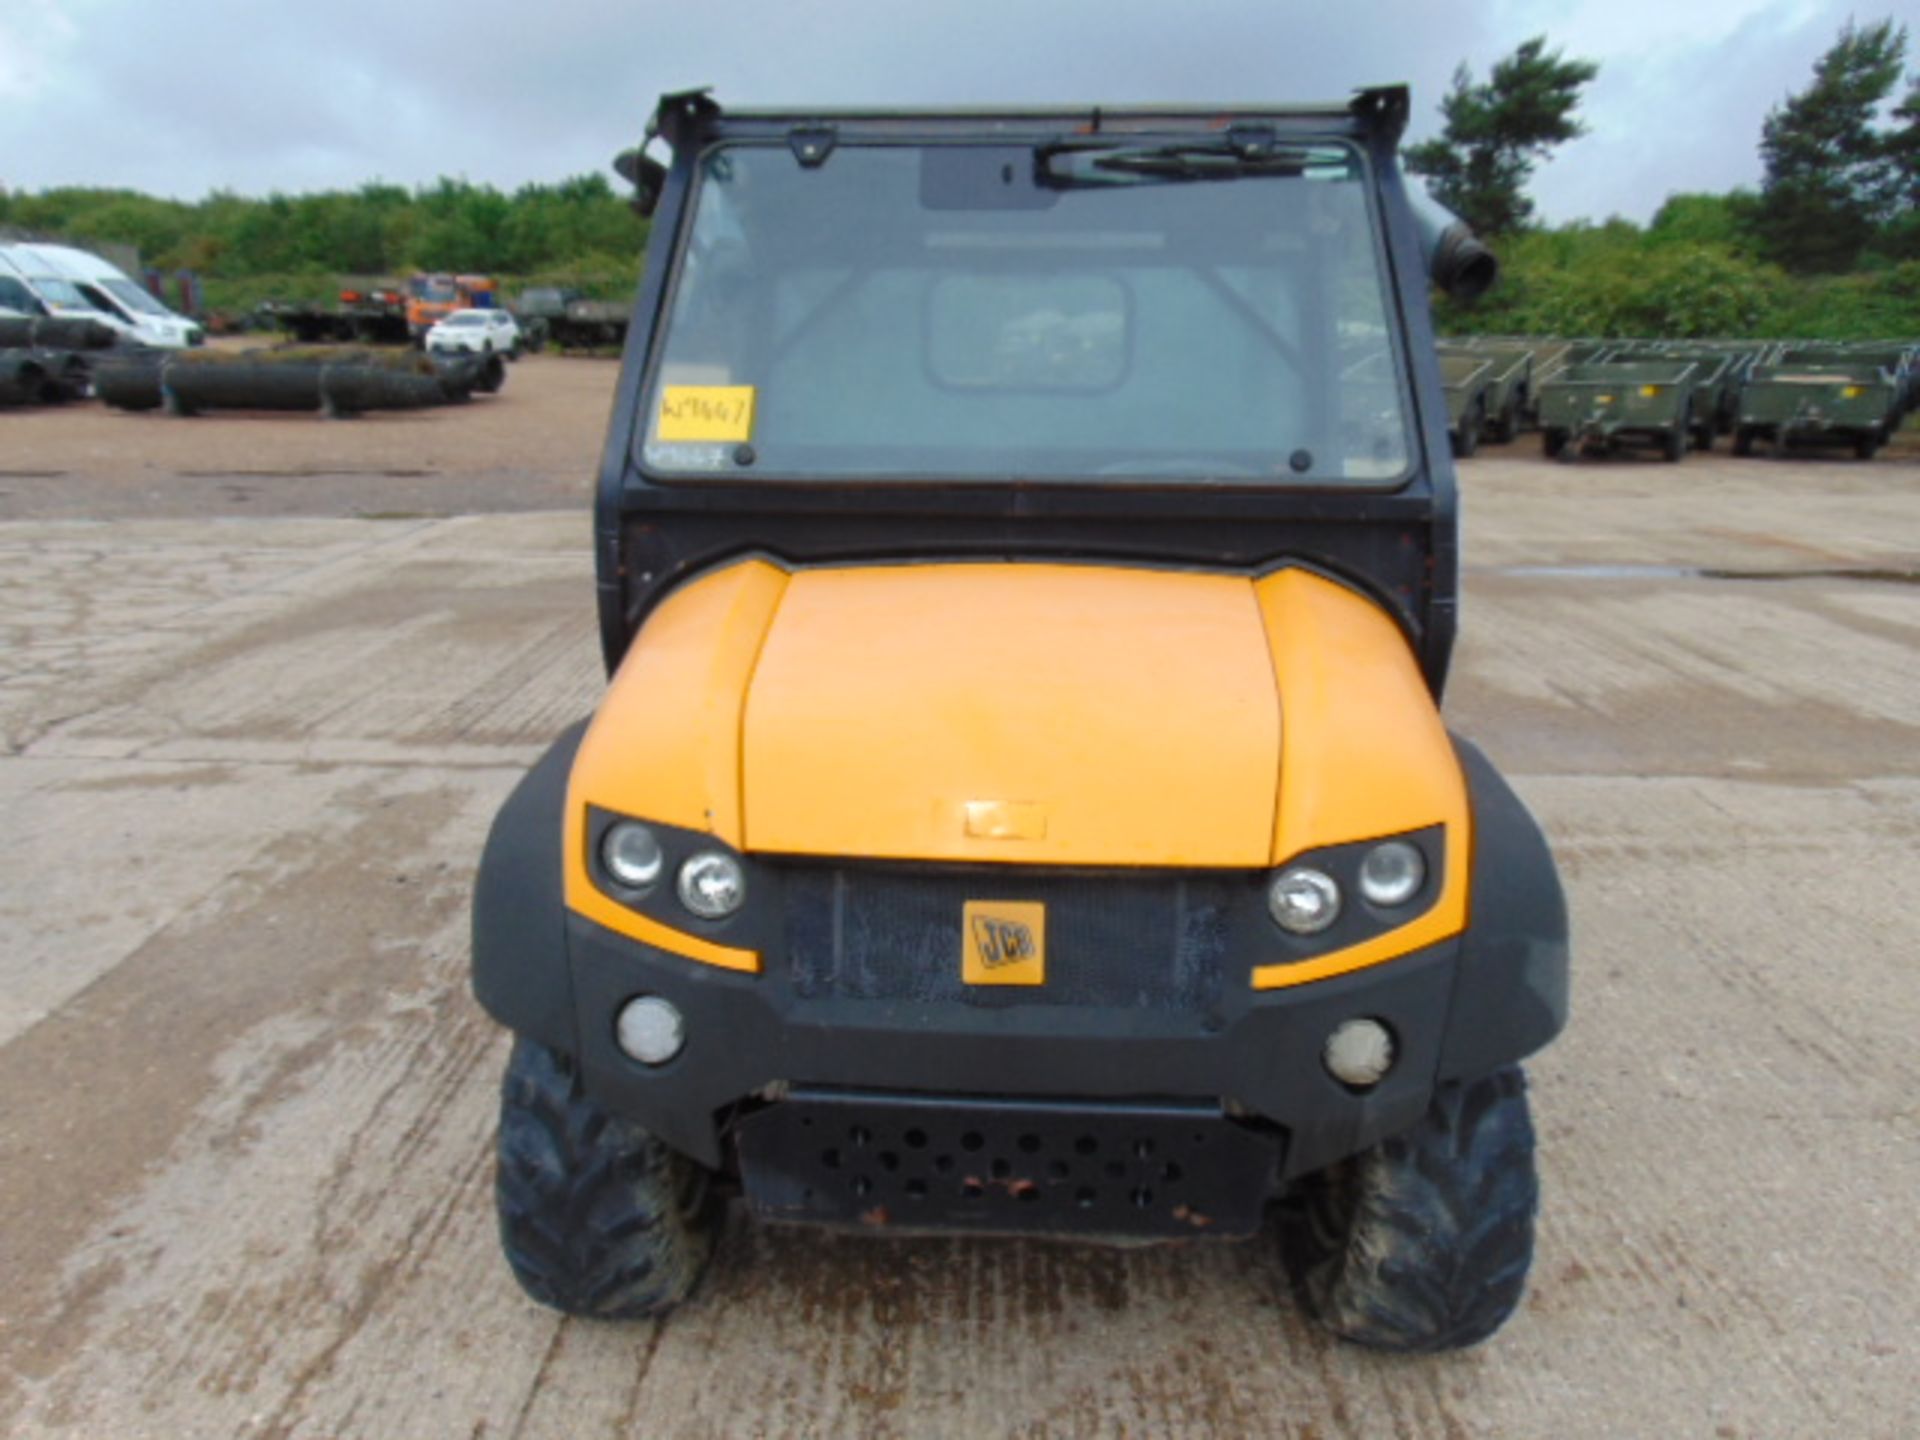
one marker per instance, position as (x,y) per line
(198,94)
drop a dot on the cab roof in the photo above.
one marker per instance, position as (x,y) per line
(1379,110)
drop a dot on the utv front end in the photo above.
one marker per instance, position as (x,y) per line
(1021,803)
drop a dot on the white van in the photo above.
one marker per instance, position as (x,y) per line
(19,292)
(70,282)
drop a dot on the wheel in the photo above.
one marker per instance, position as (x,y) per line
(1743,440)
(1864,445)
(1703,438)
(1508,427)
(1673,444)
(1422,1243)
(1466,439)
(1553,444)
(597,1217)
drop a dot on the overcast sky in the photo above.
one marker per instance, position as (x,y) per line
(181,97)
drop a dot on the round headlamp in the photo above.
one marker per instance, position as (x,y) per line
(631,854)
(1303,901)
(712,885)
(1393,873)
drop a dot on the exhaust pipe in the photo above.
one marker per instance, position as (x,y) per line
(1456,260)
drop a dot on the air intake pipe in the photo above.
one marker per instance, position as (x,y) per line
(1456,261)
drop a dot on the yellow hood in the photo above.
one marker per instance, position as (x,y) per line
(1042,713)
(1021,713)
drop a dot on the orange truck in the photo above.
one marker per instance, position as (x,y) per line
(434,297)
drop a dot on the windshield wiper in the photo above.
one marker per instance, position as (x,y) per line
(1238,153)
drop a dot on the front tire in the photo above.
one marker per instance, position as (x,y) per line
(1423,1242)
(598,1218)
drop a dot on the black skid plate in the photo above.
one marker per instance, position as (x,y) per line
(919,1162)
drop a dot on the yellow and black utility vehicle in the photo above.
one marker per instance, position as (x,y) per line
(1027,570)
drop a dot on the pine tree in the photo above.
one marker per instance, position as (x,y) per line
(1830,178)
(1497,131)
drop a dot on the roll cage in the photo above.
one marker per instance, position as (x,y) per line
(1400,546)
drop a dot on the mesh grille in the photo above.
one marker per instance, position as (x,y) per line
(1142,940)
(879,1160)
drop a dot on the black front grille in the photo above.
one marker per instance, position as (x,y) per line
(1034,1167)
(1142,940)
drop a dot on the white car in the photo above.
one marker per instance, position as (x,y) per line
(480,331)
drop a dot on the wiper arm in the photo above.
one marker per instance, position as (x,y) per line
(1238,152)
(1195,162)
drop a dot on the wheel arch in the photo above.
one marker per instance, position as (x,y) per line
(521,975)
(1511,982)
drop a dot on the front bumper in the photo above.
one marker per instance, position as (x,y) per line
(1259,1054)
(1460,1008)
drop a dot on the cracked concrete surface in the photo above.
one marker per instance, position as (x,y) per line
(245,1144)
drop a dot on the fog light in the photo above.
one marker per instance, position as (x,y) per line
(712,885)
(1392,873)
(631,854)
(1303,901)
(650,1030)
(1359,1053)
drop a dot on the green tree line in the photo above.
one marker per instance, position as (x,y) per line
(1828,246)
(298,245)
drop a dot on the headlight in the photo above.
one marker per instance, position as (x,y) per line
(1303,901)
(1393,873)
(712,885)
(631,854)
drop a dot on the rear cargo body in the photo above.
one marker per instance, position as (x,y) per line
(1603,404)
(1818,405)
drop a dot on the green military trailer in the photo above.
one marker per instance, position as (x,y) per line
(1468,380)
(1509,387)
(1602,405)
(1900,363)
(1817,405)
(1716,384)
(1546,358)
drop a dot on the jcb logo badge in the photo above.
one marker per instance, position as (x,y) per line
(1004,942)
(1001,942)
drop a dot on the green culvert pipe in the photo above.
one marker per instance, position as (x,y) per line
(48,332)
(23,378)
(354,389)
(128,384)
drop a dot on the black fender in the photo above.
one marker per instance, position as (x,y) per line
(521,973)
(1510,982)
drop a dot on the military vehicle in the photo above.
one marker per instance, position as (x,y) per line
(1716,384)
(1817,405)
(1600,406)
(1468,380)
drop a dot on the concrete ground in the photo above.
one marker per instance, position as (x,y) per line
(247,756)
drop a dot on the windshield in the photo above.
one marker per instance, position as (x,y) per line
(59,294)
(465,317)
(1001,312)
(134,298)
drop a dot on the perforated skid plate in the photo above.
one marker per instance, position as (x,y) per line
(1036,1167)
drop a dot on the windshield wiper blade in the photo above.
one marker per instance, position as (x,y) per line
(1195,162)
(1239,153)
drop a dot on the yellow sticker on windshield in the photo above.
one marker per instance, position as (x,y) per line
(706,412)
